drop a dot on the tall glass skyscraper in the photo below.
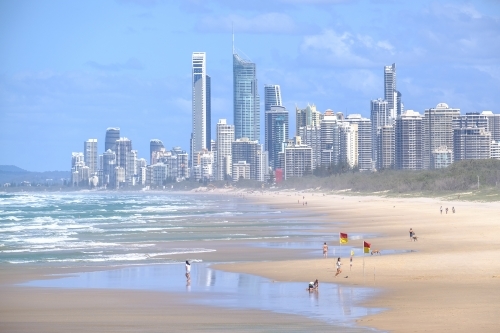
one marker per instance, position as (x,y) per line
(246,100)
(112,134)
(272,96)
(276,133)
(199,102)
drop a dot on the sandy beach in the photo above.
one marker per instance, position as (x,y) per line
(447,280)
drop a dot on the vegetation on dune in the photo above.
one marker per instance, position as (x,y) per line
(460,176)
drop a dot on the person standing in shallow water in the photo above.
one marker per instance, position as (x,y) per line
(325,250)
(188,270)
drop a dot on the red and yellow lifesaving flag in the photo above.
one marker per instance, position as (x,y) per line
(366,247)
(343,238)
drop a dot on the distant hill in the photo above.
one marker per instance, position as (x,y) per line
(14,174)
(11,168)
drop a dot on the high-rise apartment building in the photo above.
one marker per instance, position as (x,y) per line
(112,134)
(225,137)
(91,155)
(246,100)
(409,141)
(246,150)
(276,132)
(200,104)
(272,96)
(349,144)
(493,124)
(330,141)
(471,143)
(297,159)
(208,122)
(390,92)
(124,158)
(471,119)
(438,133)
(155,145)
(311,136)
(108,168)
(385,147)
(308,116)
(380,116)
(364,141)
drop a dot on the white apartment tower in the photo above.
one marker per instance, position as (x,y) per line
(90,155)
(380,116)
(438,135)
(408,140)
(225,137)
(199,103)
(390,92)
(364,140)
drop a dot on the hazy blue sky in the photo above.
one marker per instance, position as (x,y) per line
(70,69)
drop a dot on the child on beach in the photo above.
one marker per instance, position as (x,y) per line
(339,265)
(188,270)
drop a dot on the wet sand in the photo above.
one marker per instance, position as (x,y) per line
(451,282)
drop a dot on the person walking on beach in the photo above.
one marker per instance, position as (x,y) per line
(188,270)
(453,209)
(446,210)
(411,233)
(339,266)
(325,250)
(441,210)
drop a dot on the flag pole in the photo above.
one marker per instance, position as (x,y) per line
(363,261)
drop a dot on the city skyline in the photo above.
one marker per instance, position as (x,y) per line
(120,71)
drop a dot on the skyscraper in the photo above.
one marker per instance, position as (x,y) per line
(408,141)
(471,143)
(380,116)
(246,100)
(112,134)
(385,147)
(438,135)
(276,132)
(208,122)
(225,137)
(272,96)
(154,146)
(390,92)
(248,151)
(199,103)
(90,155)
(124,158)
(364,141)
(308,116)
(330,141)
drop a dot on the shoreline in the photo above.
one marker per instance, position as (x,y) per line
(450,281)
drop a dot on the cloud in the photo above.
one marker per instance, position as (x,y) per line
(130,64)
(343,49)
(264,23)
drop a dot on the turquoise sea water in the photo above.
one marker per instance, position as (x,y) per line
(144,229)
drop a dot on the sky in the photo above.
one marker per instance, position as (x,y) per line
(71,69)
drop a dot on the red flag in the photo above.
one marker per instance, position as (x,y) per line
(366,246)
(343,238)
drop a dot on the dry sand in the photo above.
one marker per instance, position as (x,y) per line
(451,282)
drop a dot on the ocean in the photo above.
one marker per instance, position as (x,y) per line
(140,237)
